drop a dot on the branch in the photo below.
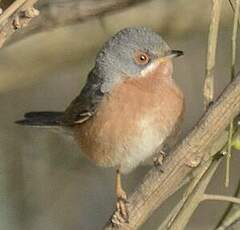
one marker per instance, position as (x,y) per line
(157,186)
(233,9)
(16,16)
(233,61)
(211,53)
(195,197)
(179,207)
(68,12)
(11,9)
(231,221)
(192,197)
(198,175)
(194,177)
(232,214)
(62,13)
(221,198)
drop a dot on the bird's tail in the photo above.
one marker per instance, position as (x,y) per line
(41,119)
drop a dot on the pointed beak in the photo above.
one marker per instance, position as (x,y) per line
(171,54)
(174,53)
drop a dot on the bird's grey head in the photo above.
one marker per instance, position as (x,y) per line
(128,53)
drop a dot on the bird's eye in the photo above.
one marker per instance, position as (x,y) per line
(142,58)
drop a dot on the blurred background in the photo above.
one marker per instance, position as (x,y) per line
(45,182)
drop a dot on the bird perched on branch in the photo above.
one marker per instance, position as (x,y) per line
(128,108)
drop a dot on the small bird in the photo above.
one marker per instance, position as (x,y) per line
(128,108)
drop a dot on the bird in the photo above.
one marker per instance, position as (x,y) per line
(129,107)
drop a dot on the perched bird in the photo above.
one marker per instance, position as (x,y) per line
(128,107)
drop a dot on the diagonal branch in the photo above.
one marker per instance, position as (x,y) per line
(16,16)
(65,12)
(180,207)
(195,197)
(232,215)
(156,186)
(194,179)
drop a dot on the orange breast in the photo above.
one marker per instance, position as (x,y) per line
(131,122)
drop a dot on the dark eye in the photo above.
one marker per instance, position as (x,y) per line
(142,58)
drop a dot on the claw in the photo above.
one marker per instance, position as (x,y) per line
(121,215)
(158,160)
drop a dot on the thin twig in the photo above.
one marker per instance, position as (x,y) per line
(221,198)
(211,53)
(232,214)
(11,9)
(229,154)
(233,9)
(195,176)
(63,13)
(176,210)
(16,16)
(233,61)
(231,221)
(195,197)
(231,4)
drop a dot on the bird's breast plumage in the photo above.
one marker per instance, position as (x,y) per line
(131,122)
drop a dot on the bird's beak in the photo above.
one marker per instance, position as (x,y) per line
(174,53)
(171,54)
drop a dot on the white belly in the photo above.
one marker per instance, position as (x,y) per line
(143,146)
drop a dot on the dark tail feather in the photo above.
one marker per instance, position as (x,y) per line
(41,119)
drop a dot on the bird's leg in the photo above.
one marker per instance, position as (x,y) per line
(158,160)
(121,214)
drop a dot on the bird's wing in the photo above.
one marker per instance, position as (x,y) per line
(83,106)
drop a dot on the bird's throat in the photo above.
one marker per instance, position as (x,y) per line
(159,69)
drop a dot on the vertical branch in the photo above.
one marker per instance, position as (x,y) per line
(229,154)
(233,60)
(234,39)
(232,213)
(193,195)
(211,53)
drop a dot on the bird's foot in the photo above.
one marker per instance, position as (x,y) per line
(120,216)
(158,160)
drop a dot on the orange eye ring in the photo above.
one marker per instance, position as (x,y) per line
(142,58)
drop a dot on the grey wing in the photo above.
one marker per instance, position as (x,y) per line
(84,105)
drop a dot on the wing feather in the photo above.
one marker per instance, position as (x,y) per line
(83,106)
